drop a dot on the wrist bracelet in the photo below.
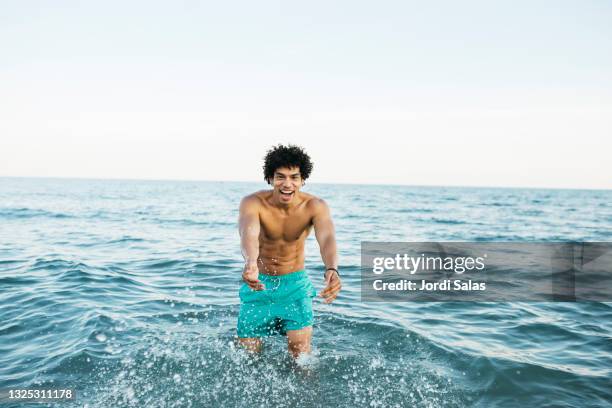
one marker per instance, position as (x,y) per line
(331,269)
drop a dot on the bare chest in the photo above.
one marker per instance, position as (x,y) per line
(276,225)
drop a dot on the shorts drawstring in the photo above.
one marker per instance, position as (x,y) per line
(276,280)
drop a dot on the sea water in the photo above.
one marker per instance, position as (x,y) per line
(127,292)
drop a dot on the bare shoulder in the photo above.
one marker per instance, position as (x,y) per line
(316,204)
(253,201)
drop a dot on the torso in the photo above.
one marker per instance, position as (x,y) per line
(283,234)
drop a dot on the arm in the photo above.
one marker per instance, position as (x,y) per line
(326,237)
(249,227)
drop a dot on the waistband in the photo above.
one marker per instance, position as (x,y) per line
(289,277)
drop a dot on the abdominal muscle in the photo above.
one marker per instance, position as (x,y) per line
(280,257)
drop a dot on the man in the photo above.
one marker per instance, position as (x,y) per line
(276,296)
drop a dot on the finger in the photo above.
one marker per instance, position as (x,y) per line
(327,293)
(332,288)
(333,291)
(324,294)
(330,295)
(330,299)
(335,286)
(326,289)
(256,285)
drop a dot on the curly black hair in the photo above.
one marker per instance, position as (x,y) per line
(286,156)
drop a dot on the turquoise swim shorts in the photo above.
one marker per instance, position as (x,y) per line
(284,304)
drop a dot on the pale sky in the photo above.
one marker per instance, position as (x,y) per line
(469,93)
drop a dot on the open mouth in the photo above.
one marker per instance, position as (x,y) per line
(286,193)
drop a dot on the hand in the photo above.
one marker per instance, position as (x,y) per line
(332,286)
(251,277)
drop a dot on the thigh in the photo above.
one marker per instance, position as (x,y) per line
(299,340)
(300,336)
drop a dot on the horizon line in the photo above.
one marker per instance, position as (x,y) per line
(315,183)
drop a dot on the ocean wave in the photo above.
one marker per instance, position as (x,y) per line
(5,262)
(53,264)
(165,264)
(497,204)
(11,328)
(18,280)
(124,240)
(70,272)
(530,212)
(117,241)
(19,213)
(188,222)
(414,210)
(447,221)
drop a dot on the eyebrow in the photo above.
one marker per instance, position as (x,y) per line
(291,175)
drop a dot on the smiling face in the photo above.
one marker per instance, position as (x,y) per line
(286,184)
